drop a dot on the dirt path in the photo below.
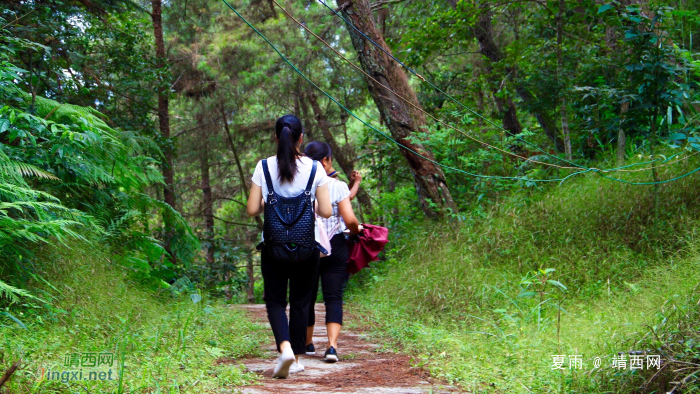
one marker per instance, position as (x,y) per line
(362,368)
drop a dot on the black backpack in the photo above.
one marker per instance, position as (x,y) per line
(289,222)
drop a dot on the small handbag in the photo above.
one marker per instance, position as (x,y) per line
(322,237)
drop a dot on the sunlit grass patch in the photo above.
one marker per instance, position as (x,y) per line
(580,270)
(161,343)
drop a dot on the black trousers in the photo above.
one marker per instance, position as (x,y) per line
(300,276)
(333,271)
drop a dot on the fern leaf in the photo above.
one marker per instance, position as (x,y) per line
(13,293)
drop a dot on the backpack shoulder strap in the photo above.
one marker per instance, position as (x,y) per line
(311,178)
(268,178)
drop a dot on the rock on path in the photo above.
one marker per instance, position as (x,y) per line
(363,367)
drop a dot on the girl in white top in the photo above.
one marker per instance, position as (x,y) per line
(290,172)
(333,267)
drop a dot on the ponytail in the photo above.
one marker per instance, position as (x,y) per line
(288,130)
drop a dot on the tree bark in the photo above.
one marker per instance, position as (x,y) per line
(546,121)
(655,174)
(621,138)
(250,289)
(342,156)
(401,119)
(6,376)
(207,201)
(164,124)
(483,30)
(241,176)
(560,68)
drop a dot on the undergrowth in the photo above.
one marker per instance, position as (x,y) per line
(177,341)
(581,269)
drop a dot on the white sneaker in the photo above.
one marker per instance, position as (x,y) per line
(296,367)
(284,362)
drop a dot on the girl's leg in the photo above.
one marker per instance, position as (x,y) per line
(333,334)
(275,297)
(301,281)
(284,346)
(312,314)
(332,278)
(309,334)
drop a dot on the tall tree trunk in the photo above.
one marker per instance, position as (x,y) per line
(402,120)
(164,124)
(380,182)
(546,121)
(611,39)
(621,138)
(250,271)
(241,176)
(565,129)
(207,201)
(342,156)
(480,99)
(655,174)
(560,69)
(483,30)
(309,133)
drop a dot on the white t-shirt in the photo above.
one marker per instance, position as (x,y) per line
(337,191)
(298,185)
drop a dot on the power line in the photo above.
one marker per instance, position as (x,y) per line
(407,101)
(444,93)
(621,169)
(286,60)
(584,169)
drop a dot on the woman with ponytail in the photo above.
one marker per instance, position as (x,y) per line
(284,179)
(333,268)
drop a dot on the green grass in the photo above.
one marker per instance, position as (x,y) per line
(480,303)
(163,344)
(484,303)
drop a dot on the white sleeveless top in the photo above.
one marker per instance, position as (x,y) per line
(338,191)
(298,185)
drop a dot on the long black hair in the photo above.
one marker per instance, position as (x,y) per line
(317,150)
(288,130)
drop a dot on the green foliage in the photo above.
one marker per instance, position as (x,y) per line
(484,299)
(163,341)
(486,302)
(431,28)
(674,336)
(13,293)
(63,167)
(653,84)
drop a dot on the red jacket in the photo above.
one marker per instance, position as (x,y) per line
(372,241)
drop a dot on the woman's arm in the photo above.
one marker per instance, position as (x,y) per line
(255,201)
(345,210)
(325,209)
(355,179)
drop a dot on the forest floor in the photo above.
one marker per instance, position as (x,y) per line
(364,367)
